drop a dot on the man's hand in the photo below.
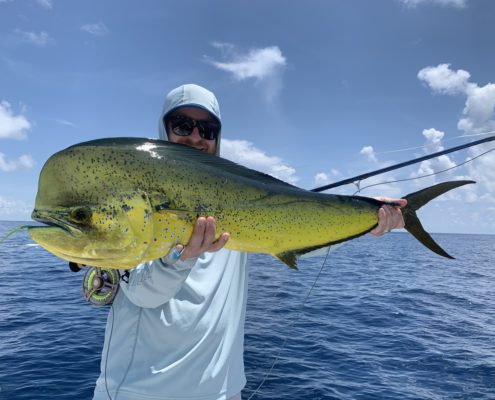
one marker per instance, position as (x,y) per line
(202,239)
(389,217)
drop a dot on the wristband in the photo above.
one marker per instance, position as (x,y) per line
(173,256)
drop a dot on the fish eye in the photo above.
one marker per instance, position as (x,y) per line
(80,214)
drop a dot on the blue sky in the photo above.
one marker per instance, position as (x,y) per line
(311,92)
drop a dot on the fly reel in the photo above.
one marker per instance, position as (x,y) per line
(100,285)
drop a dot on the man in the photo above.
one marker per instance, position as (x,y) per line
(176,328)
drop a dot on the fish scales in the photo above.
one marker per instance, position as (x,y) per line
(122,201)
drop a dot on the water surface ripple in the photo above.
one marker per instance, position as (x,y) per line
(386,320)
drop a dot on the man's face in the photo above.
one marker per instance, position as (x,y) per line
(194,139)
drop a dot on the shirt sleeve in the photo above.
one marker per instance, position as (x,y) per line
(154,283)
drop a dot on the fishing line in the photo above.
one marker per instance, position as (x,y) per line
(295,319)
(359,188)
(425,146)
(402,164)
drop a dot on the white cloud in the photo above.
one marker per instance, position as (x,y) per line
(264,65)
(430,167)
(23,162)
(257,63)
(48,4)
(14,208)
(369,153)
(38,39)
(478,116)
(386,184)
(245,153)
(433,140)
(12,126)
(65,122)
(225,48)
(98,29)
(443,80)
(322,178)
(478,113)
(482,170)
(452,3)
(7,206)
(479,110)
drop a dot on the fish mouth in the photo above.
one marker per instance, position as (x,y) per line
(52,219)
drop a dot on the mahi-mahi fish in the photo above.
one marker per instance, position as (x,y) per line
(118,202)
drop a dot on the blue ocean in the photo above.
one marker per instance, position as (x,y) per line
(386,319)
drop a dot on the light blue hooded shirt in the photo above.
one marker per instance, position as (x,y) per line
(176,332)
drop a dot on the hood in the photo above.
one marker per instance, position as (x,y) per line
(190,95)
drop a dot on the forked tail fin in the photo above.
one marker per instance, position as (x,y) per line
(418,199)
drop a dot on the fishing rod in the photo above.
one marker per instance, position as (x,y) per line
(402,164)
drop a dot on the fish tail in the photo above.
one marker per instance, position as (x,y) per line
(418,199)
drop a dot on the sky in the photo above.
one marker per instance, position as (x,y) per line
(310,91)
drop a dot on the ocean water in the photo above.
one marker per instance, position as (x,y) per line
(386,319)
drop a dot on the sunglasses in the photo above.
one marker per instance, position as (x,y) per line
(184,126)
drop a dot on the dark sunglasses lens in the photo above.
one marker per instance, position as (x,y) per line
(209,130)
(182,126)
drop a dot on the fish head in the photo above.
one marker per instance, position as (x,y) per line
(91,214)
(93,235)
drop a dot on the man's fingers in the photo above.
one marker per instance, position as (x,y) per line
(203,239)
(401,202)
(209,242)
(390,213)
(217,245)
(198,233)
(395,218)
(196,241)
(389,217)
(380,228)
(209,234)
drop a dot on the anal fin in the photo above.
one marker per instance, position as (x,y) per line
(289,258)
